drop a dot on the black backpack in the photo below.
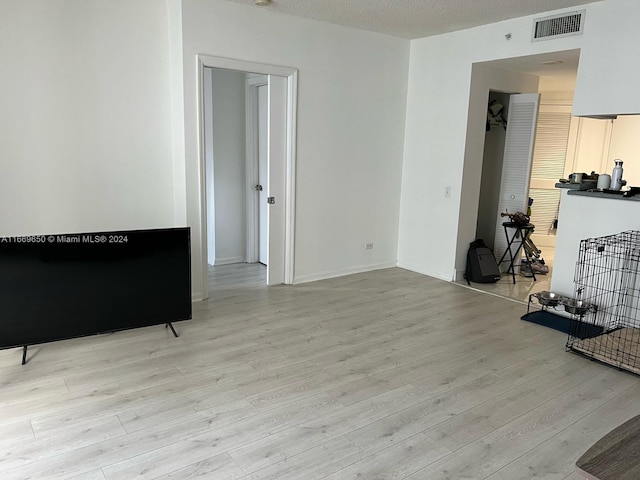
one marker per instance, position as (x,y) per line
(481,264)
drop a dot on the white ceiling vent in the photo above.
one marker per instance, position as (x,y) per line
(558,26)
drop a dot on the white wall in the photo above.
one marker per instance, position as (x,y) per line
(608,74)
(176,80)
(85,116)
(351,106)
(434,230)
(625,145)
(229,162)
(557,90)
(91,135)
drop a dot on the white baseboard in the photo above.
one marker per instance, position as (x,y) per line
(446,276)
(229,261)
(341,273)
(196,297)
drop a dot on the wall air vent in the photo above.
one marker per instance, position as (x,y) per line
(558,26)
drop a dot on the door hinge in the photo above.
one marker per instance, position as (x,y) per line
(271,200)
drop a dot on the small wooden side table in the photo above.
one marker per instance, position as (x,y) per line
(616,456)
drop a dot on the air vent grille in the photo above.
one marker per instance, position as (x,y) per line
(558,26)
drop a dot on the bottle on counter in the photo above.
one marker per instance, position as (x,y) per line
(616,175)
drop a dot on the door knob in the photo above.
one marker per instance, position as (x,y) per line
(258,187)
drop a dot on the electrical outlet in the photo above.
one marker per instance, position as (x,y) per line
(447,192)
(368,246)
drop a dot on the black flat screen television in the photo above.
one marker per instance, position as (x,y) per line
(55,287)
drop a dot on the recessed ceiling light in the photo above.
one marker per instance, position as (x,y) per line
(552,62)
(262,3)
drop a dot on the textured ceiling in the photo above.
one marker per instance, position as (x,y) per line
(414,18)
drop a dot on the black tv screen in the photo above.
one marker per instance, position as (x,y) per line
(54,287)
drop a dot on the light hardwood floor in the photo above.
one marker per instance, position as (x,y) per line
(381,375)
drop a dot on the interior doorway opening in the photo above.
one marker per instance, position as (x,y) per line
(236,134)
(225,170)
(247,160)
(553,154)
(512,131)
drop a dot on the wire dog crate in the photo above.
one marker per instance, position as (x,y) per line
(607,294)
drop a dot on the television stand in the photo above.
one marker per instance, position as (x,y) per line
(24,347)
(169,325)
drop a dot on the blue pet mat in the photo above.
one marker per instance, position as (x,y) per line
(567,325)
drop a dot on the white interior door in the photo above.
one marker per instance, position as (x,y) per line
(516,166)
(277,164)
(267,156)
(263,135)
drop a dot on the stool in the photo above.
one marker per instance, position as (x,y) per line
(519,231)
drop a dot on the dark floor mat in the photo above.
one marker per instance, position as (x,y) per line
(570,326)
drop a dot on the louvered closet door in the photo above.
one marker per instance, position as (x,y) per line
(516,165)
(549,158)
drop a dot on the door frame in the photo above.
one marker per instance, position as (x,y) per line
(251,121)
(291,76)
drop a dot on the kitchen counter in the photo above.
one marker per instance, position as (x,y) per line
(587,190)
(584,215)
(574,186)
(608,196)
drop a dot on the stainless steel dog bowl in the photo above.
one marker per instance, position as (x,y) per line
(548,299)
(575,307)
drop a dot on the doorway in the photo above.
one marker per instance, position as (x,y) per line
(279,188)
(512,129)
(224,133)
(553,75)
